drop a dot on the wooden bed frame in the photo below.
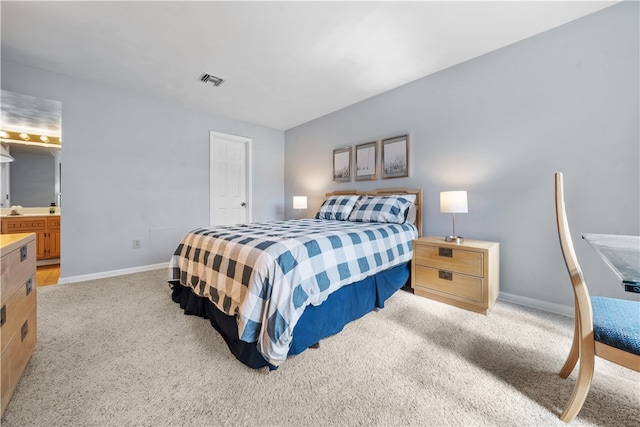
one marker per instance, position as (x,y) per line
(389,192)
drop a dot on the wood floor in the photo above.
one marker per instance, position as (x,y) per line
(48,275)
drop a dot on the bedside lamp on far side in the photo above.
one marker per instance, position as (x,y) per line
(299,203)
(453,202)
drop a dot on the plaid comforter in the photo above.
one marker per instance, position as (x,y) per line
(267,273)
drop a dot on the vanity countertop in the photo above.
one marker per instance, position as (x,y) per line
(27,215)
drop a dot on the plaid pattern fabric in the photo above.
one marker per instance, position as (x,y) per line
(382,209)
(267,273)
(337,207)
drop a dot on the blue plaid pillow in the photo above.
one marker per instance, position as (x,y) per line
(337,207)
(382,209)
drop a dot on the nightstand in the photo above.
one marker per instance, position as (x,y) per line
(465,274)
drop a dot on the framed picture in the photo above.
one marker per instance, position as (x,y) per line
(367,161)
(395,157)
(342,164)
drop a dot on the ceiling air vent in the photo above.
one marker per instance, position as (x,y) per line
(208,78)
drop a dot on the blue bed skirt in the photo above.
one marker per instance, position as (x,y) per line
(317,322)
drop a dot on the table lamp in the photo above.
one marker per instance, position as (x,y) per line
(299,203)
(453,202)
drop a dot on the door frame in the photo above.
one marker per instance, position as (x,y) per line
(5,176)
(248,170)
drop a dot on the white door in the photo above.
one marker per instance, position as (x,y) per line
(230,178)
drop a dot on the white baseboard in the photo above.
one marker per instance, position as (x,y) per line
(48,261)
(540,305)
(113,273)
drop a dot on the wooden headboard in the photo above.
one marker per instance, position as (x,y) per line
(389,192)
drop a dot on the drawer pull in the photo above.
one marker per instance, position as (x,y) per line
(29,285)
(3,315)
(448,252)
(445,275)
(24,330)
(23,253)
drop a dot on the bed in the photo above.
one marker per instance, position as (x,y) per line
(274,289)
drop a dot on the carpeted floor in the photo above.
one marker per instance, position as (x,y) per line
(118,351)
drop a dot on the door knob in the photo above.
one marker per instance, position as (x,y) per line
(243,204)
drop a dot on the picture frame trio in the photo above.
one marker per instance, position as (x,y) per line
(394,162)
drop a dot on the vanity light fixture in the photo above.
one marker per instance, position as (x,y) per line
(453,202)
(18,137)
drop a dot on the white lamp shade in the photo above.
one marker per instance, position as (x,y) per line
(299,202)
(453,202)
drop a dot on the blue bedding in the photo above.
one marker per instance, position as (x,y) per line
(348,303)
(267,274)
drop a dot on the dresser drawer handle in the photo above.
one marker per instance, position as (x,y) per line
(3,315)
(445,275)
(29,285)
(448,252)
(24,330)
(23,253)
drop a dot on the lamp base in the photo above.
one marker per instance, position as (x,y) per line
(454,239)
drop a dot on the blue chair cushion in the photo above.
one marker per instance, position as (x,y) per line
(616,322)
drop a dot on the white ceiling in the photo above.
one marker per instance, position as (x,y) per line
(284,63)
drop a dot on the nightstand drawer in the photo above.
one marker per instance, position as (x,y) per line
(447,258)
(448,282)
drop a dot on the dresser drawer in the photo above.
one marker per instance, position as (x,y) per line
(16,356)
(450,283)
(446,258)
(17,309)
(17,266)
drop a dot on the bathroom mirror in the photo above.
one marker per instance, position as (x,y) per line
(33,177)
(31,133)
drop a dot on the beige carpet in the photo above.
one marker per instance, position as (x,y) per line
(118,352)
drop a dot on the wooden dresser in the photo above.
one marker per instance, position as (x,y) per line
(46,227)
(462,274)
(18,309)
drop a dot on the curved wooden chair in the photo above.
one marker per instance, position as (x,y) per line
(604,327)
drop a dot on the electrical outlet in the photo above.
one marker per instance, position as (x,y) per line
(137,243)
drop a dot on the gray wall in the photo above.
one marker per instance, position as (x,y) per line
(137,167)
(499,126)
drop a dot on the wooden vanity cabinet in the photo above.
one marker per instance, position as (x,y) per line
(53,228)
(47,229)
